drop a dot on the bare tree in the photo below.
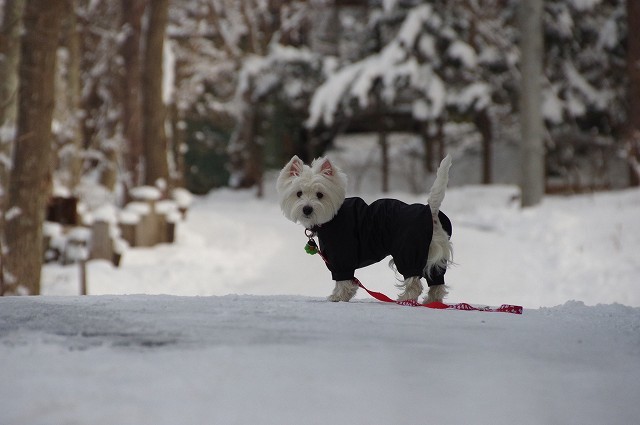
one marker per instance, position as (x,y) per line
(154,111)
(31,173)
(532,160)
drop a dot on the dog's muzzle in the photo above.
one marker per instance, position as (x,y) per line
(307,210)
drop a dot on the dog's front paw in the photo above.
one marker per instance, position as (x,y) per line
(334,298)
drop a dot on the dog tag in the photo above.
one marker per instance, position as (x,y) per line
(311,247)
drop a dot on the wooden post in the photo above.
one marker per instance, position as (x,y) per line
(144,231)
(77,250)
(101,244)
(154,222)
(140,226)
(128,232)
(170,231)
(83,277)
(147,229)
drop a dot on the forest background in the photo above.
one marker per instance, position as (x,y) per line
(98,97)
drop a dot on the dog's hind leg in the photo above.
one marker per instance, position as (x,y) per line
(440,250)
(440,256)
(436,293)
(344,291)
(412,288)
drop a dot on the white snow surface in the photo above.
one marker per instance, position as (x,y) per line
(143,359)
(229,325)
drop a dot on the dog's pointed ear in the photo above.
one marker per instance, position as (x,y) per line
(327,168)
(295,166)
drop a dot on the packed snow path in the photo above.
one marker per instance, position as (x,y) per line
(297,360)
(569,248)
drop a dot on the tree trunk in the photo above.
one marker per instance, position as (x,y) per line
(179,138)
(132,13)
(483,123)
(31,173)
(246,154)
(9,60)
(384,159)
(74,93)
(255,167)
(427,143)
(154,111)
(633,71)
(383,143)
(532,159)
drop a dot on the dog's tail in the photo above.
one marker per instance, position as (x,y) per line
(440,249)
(439,186)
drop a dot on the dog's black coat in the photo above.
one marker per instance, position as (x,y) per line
(360,235)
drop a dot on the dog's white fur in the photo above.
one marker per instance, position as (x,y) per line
(312,195)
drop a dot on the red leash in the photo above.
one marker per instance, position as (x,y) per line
(504,308)
(312,248)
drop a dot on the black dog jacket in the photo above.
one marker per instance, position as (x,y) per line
(360,235)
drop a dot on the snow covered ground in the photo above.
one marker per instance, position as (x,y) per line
(582,248)
(144,359)
(229,325)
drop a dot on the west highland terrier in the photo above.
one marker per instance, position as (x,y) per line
(353,234)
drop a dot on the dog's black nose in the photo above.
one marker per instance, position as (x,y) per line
(307,210)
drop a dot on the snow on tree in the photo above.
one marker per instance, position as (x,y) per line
(279,83)
(222,49)
(458,60)
(421,64)
(584,102)
(443,62)
(395,67)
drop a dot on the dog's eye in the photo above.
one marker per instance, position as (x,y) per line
(299,194)
(319,195)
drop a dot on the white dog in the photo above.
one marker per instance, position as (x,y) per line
(353,234)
